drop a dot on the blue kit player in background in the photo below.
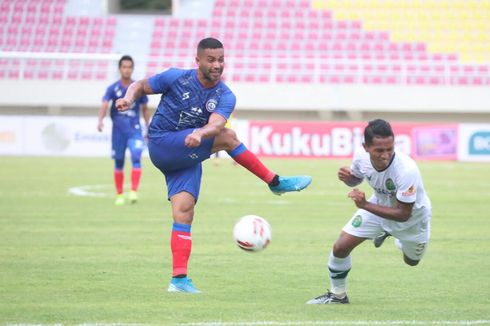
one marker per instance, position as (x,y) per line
(189,126)
(126,130)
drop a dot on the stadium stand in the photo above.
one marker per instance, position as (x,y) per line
(285,59)
(37,26)
(445,26)
(401,42)
(300,41)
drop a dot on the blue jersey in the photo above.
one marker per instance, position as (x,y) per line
(126,122)
(185,103)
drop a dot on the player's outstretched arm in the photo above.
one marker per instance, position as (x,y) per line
(345,175)
(135,91)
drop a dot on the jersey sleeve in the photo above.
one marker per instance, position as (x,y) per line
(107,95)
(144,99)
(159,83)
(226,105)
(407,187)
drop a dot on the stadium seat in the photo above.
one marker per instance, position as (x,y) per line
(37,25)
(397,48)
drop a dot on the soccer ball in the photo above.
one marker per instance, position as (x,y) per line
(252,233)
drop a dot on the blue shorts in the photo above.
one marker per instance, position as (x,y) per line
(121,141)
(180,164)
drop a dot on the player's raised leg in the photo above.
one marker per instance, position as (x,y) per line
(227,140)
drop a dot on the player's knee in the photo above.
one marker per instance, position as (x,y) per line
(136,163)
(230,138)
(119,164)
(183,214)
(185,217)
(340,251)
(410,262)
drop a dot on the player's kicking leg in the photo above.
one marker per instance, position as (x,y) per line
(227,140)
(288,184)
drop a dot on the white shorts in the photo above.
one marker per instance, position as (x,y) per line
(414,239)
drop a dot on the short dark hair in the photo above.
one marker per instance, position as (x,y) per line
(125,58)
(209,43)
(377,128)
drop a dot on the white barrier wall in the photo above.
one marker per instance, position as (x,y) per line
(54,136)
(78,136)
(252,96)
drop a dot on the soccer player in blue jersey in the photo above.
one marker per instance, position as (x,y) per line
(126,129)
(188,126)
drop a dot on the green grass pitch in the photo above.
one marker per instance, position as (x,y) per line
(68,259)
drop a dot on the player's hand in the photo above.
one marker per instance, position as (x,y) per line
(193,139)
(100,126)
(345,174)
(358,197)
(123,104)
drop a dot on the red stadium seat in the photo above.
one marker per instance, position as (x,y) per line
(57,74)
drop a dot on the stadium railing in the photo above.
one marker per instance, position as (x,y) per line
(57,66)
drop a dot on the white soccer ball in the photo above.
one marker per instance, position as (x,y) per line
(252,233)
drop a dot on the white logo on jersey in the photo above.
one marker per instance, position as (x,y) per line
(211,105)
(196,110)
(185,96)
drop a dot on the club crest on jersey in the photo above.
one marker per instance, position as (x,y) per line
(390,185)
(357,221)
(211,105)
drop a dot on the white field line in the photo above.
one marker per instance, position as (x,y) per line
(296,322)
(102,190)
(342,322)
(83,324)
(89,190)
